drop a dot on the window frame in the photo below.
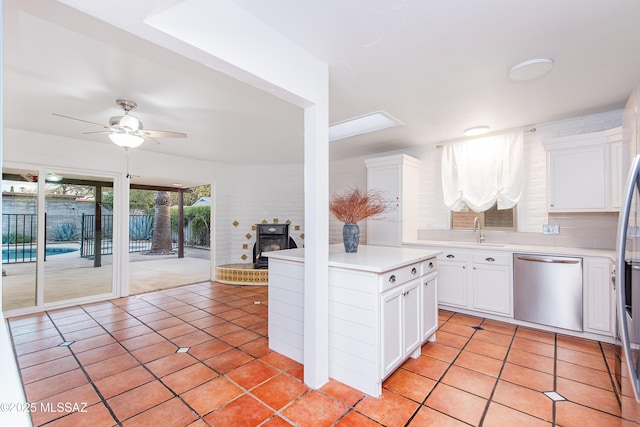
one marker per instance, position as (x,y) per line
(481,215)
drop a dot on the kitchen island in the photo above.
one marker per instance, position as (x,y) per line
(382,308)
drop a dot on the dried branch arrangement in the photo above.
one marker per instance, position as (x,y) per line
(353,205)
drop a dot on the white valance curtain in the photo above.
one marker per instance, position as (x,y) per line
(480,172)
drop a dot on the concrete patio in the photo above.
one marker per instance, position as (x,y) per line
(68,276)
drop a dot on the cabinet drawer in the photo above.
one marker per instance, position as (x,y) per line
(429,266)
(453,255)
(399,276)
(495,258)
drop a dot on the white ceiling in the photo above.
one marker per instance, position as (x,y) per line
(439,67)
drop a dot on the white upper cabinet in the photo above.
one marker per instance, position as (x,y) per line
(396,177)
(585,172)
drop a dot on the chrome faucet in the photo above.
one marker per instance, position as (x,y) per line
(478,230)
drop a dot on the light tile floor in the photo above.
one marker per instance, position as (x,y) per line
(198,355)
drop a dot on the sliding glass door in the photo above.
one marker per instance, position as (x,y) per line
(78,259)
(57,236)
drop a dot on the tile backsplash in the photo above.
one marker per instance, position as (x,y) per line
(586,230)
(577,230)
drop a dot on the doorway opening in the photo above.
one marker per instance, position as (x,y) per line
(169,237)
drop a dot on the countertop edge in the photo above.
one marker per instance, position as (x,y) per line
(375,259)
(531,249)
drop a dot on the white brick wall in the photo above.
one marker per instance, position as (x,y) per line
(532,213)
(250,194)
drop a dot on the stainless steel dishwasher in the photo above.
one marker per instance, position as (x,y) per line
(548,290)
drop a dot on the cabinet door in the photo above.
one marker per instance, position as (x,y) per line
(386,229)
(578,180)
(492,288)
(429,308)
(452,281)
(411,316)
(391,322)
(599,297)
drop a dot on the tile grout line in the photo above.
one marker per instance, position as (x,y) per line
(143,364)
(460,350)
(611,375)
(82,368)
(220,374)
(103,400)
(495,386)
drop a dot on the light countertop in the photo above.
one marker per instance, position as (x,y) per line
(377,259)
(530,249)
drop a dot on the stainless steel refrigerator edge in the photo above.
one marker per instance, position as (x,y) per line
(627,279)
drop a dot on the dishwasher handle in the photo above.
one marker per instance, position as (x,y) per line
(548,260)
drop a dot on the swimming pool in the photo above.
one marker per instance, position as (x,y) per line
(30,253)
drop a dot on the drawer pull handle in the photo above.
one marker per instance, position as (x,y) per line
(413,270)
(430,265)
(490,259)
(392,278)
(451,256)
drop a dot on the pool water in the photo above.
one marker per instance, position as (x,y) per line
(27,253)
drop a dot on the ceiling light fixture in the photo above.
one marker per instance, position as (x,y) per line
(53,177)
(476,130)
(371,122)
(530,69)
(126,140)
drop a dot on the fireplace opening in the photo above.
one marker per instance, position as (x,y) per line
(270,237)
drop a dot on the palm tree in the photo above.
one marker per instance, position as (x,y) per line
(161,240)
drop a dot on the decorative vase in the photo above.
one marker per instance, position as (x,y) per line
(351,237)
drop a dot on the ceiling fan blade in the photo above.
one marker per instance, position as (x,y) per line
(152,140)
(80,120)
(164,134)
(98,131)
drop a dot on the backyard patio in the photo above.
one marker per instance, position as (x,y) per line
(69,276)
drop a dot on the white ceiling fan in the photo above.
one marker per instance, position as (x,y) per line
(127,131)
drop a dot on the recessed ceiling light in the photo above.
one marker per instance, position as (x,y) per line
(363,124)
(530,69)
(476,130)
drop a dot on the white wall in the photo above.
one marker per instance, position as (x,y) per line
(42,149)
(532,212)
(248,194)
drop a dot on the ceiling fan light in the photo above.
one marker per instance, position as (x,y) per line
(126,140)
(130,123)
(53,177)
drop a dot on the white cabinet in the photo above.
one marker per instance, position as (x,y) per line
(401,336)
(492,282)
(396,177)
(599,296)
(476,279)
(429,300)
(584,172)
(452,278)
